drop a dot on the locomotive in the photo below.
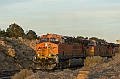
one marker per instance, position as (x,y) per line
(56,51)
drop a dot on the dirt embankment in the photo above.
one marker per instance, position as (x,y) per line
(16,53)
(106,70)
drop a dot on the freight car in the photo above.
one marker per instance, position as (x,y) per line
(56,51)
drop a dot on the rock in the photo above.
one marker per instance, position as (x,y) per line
(2,43)
(84,72)
(17,53)
(82,76)
(71,75)
(119,75)
(11,52)
(20,38)
(2,57)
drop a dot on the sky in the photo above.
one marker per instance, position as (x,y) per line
(88,18)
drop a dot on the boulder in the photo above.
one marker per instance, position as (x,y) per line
(82,76)
(11,52)
(84,72)
(2,43)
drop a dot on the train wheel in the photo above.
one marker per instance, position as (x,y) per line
(63,63)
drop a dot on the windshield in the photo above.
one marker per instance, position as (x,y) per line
(91,44)
(44,40)
(56,40)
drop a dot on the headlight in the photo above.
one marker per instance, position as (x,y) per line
(49,54)
(38,55)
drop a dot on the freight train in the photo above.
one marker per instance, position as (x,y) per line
(56,51)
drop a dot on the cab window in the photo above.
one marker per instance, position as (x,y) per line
(44,39)
(91,44)
(55,40)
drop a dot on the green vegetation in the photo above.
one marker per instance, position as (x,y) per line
(98,40)
(2,33)
(16,31)
(31,35)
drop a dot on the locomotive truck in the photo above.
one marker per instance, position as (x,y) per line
(56,51)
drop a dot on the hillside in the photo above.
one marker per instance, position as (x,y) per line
(16,53)
(109,70)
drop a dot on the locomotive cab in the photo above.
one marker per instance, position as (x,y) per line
(91,48)
(47,51)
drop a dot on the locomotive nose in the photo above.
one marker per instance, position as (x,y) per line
(46,44)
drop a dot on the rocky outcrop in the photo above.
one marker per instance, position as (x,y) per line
(16,53)
(11,52)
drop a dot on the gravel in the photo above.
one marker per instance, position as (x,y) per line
(57,74)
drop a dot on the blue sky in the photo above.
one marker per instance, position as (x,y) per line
(88,18)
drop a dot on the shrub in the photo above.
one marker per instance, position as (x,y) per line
(92,61)
(22,74)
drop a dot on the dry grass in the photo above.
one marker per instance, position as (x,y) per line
(22,74)
(92,61)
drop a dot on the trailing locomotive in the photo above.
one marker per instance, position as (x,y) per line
(56,51)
